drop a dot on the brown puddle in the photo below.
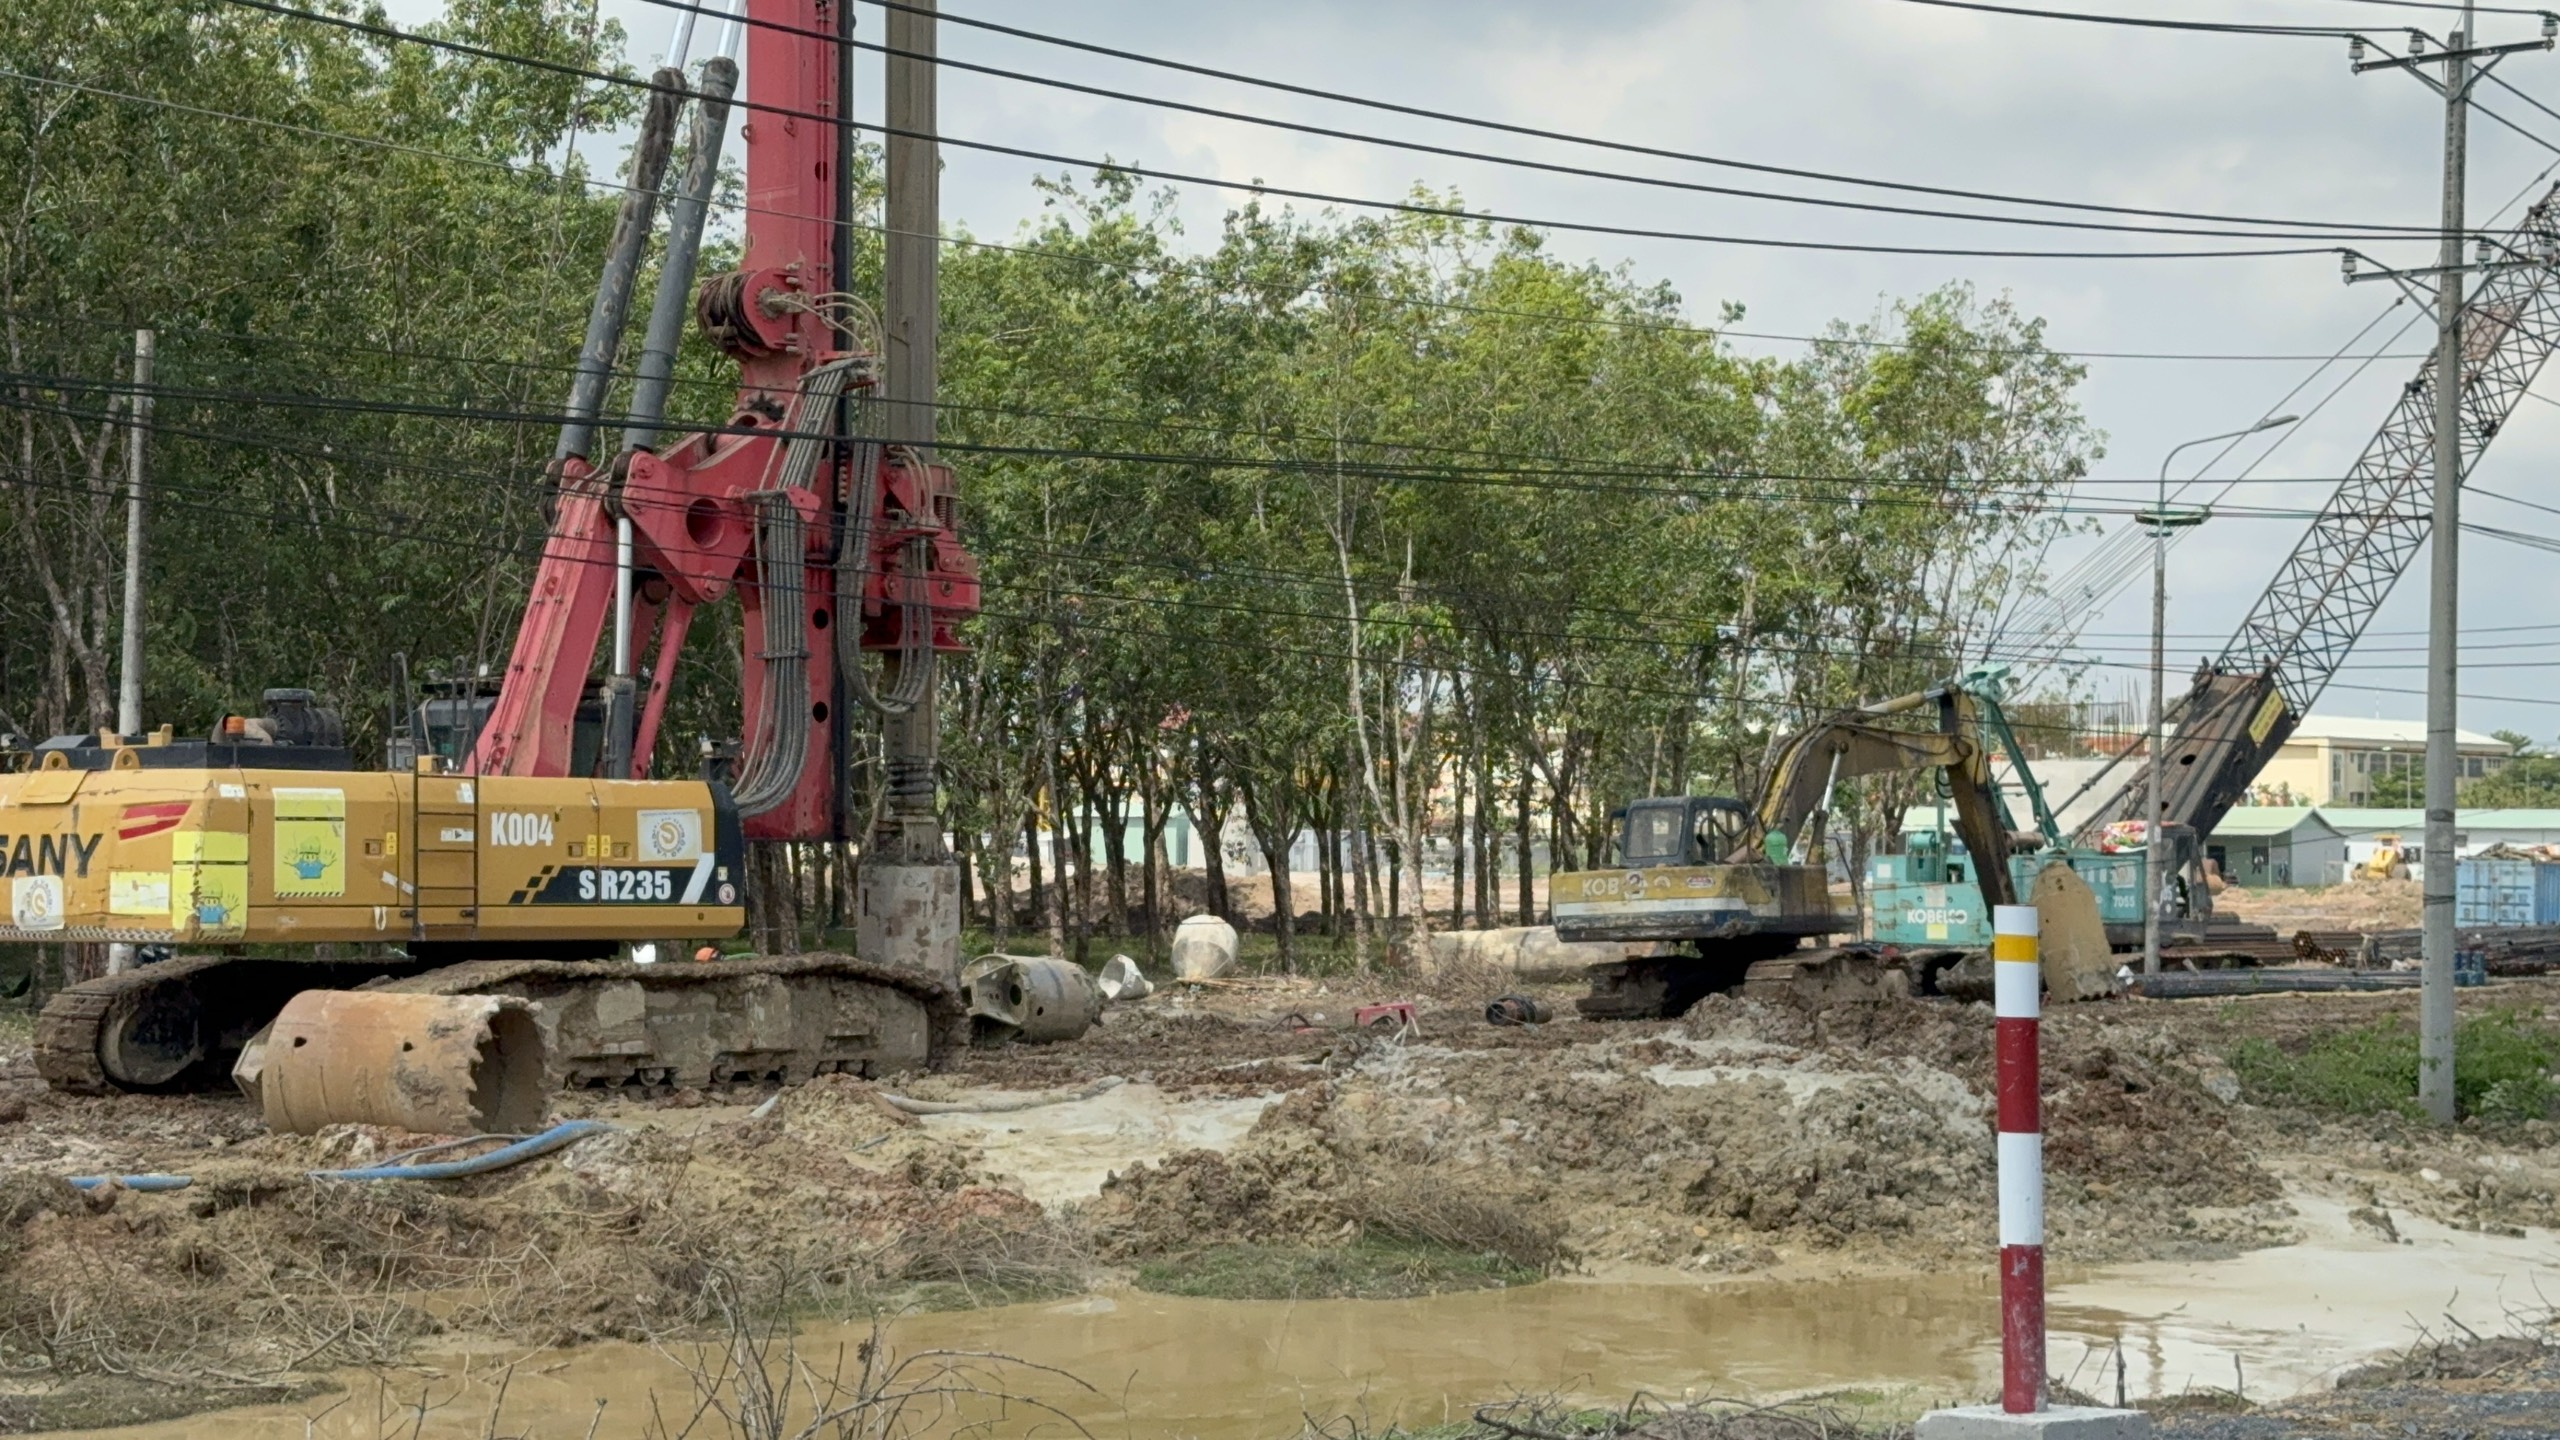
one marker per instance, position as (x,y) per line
(1250,1370)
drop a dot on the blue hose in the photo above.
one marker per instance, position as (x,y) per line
(133,1182)
(522,1150)
(498,1159)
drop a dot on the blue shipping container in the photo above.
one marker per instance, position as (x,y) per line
(2493,892)
(2546,894)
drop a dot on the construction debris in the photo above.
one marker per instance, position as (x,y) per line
(1121,980)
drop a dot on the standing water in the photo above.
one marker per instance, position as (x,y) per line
(1257,1370)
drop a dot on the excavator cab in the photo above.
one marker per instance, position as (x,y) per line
(1682,830)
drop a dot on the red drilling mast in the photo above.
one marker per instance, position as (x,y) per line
(834,543)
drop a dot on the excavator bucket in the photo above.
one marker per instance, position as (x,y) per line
(2077,962)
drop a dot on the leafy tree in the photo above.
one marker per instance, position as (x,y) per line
(2529,781)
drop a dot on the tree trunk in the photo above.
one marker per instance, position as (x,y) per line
(1061,888)
(1329,872)
(1213,856)
(1361,902)
(1458,846)
(1488,881)
(1151,823)
(1040,912)
(1115,839)
(1273,833)
(1520,834)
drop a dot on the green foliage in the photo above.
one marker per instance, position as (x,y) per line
(2401,789)
(2503,1062)
(2528,781)
(290,545)
(1371,1268)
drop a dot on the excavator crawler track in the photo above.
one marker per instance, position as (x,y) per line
(1663,987)
(180,1024)
(1822,979)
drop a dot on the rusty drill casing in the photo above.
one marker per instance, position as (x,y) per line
(433,1064)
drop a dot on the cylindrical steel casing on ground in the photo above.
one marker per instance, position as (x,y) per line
(433,1064)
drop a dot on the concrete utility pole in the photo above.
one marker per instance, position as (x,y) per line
(909,888)
(2444,576)
(129,681)
(2463,60)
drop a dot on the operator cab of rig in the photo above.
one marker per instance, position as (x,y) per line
(1682,830)
(295,733)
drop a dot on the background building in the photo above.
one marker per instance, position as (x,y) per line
(2335,759)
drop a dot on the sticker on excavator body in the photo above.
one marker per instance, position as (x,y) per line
(670,835)
(151,818)
(35,902)
(138,892)
(209,883)
(310,843)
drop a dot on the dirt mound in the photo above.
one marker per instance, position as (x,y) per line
(1285,1183)
(1295,1181)
(2357,905)
(1741,1127)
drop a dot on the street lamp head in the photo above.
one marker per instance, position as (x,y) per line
(2278,423)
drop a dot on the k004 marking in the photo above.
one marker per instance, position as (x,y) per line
(519,827)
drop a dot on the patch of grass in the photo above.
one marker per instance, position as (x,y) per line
(2502,1070)
(2206,1401)
(1370,1268)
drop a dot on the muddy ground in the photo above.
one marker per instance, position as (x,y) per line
(1740,1139)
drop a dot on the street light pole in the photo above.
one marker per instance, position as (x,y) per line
(2162,520)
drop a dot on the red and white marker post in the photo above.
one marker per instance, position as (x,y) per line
(2018,1001)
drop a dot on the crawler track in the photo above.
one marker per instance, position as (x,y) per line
(179,1025)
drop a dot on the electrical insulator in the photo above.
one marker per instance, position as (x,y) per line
(2417,43)
(2480,250)
(2355,49)
(2347,264)
(2550,26)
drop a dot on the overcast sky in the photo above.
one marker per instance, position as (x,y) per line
(2272,126)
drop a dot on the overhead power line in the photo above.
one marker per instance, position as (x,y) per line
(2217,27)
(1621,146)
(1259,189)
(1524,162)
(1066,621)
(1175,267)
(1697,483)
(1545,462)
